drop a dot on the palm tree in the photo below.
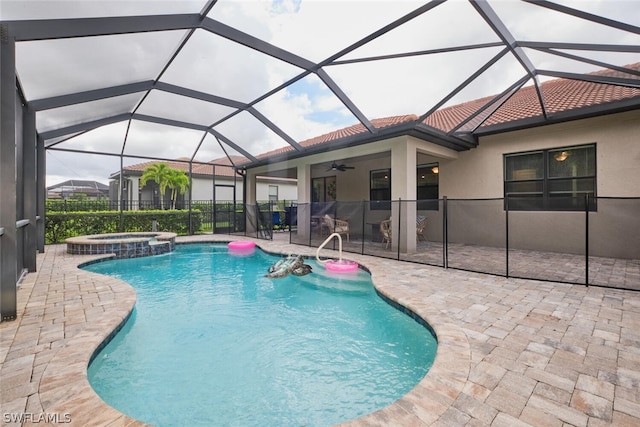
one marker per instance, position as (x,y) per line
(178,183)
(160,173)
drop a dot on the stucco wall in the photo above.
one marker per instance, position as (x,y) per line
(478,173)
(614,229)
(203,189)
(287,190)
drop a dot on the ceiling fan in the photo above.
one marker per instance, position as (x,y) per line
(336,167)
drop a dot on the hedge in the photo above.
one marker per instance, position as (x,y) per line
(60,226)
(55,205)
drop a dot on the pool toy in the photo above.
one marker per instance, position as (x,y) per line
(341,266)
(290,265)
(241,245)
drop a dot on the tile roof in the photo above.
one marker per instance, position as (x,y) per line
(222,166)
(78,184)
(559,95)
(342,133)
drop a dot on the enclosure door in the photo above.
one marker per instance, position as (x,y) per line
(223,215)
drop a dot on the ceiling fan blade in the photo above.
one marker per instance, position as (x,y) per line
(336,167)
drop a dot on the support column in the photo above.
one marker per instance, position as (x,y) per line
(41,189)
(250,203)
(29,195)
(304,201)
(191,231)
(403,187)
(8,243)
(251,188)
(134,190)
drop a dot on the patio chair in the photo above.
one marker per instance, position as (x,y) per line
(421,223)
(385,230)
(336,226)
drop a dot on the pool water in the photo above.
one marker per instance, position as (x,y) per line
(211,341)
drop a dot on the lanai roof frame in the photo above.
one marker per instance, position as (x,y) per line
(26,30)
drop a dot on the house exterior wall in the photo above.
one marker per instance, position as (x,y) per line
(478,173)
(353,184)
(145,193)
(134,187)
(287,190)
(203,189)
(613,228)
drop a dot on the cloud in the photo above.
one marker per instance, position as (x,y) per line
(321,28)
(63,166)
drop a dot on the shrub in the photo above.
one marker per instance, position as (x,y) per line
(60,226)
(55,205)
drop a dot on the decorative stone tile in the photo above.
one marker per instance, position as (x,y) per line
(520,351)
(506,420)
(564,413)
(487,375)
(592,405)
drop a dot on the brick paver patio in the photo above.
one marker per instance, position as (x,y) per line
(511,352)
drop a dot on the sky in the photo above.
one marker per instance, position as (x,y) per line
(311,29)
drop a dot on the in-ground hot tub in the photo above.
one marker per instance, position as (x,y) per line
(123,245)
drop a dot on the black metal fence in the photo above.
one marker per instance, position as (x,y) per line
(596,243)
(71,205)
(259,220)
(220,217)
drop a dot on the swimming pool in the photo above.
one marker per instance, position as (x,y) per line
(213,342)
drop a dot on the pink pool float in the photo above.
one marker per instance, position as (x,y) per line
(341,266)
(241,247)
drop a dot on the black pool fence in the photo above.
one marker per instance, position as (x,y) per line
(596,242)
(588,241)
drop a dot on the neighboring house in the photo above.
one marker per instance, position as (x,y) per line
(216,180)
(70,189)
(587,148)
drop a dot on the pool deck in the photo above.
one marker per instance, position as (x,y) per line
(511,352)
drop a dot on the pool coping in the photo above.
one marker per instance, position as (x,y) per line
(64,387)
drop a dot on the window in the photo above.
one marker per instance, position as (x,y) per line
(273,193)
(551,180)
(427,186)
(323,189)
(380,189)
